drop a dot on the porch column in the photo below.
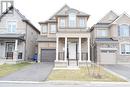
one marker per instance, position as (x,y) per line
(16,45)
(65,58)
(89,50)
(15,53)
(79,48)
(57,43)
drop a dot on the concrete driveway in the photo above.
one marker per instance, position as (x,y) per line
(123,69)
(34,72)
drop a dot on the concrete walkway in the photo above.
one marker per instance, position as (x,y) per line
(123,70)
(35,72)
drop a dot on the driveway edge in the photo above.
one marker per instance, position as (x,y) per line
(116,74)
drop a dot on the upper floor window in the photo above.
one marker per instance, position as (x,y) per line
(82,22)
(124,30)
(72,20)
(62,22)
(11,26)
(125,49)
(52,28)
(44,29)
(102,33)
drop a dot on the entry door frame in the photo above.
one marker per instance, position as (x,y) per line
(72,50)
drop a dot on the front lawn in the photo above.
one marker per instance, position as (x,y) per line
(6,69)
(84,74)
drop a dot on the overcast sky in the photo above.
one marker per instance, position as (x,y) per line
(41,10)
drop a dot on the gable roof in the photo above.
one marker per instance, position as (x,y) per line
(64,12)
(121,16)
(109,17)
(24,19)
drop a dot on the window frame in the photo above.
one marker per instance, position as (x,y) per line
(101,29)
(43,29)
(72,20)
(51,28)
(62,25)
(125,52)
(119,30)
(82,18)
(11,30)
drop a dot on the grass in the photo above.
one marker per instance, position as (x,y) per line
(82,74)
(6,69)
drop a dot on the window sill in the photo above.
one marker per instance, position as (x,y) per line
(125,54)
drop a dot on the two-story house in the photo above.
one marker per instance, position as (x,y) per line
(17,35)
(65,38)
(111,39)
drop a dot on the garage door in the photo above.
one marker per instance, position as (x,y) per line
(108,57)
(48,55)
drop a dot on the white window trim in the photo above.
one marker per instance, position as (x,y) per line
(55,30)
(119,28)
(70,26)
(85,23)
(120,47)
(42,29)
(60,22)
(7,25)
(102,29)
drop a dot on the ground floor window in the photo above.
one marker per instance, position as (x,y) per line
(9,50)
(125,49)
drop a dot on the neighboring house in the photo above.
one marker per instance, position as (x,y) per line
(111,39)
(17,36)
(65,38)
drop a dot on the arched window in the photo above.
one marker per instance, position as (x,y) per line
(124,30)
(72,19)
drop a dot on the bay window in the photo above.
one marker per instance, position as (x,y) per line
(102,32)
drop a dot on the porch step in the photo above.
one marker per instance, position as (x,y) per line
(73,63)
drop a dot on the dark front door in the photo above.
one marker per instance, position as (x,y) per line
(9,50)
(48,55)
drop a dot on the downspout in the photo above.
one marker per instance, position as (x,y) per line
(25,43)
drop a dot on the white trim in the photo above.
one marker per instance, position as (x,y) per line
(65,58)
(79,49)
(7,25)
(57,43)
(125,42)
(88,50)
(108,48)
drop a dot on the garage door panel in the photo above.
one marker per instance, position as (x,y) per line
(48,55)
(107,57)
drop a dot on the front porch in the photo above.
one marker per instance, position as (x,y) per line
(72,51)
(11,50)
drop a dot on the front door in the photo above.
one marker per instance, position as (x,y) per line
(9,50)
(72,51)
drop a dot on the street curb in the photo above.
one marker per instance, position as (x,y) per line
(59,82)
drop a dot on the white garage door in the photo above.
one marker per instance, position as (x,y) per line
(108,57)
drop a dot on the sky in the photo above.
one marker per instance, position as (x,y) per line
(42,10)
